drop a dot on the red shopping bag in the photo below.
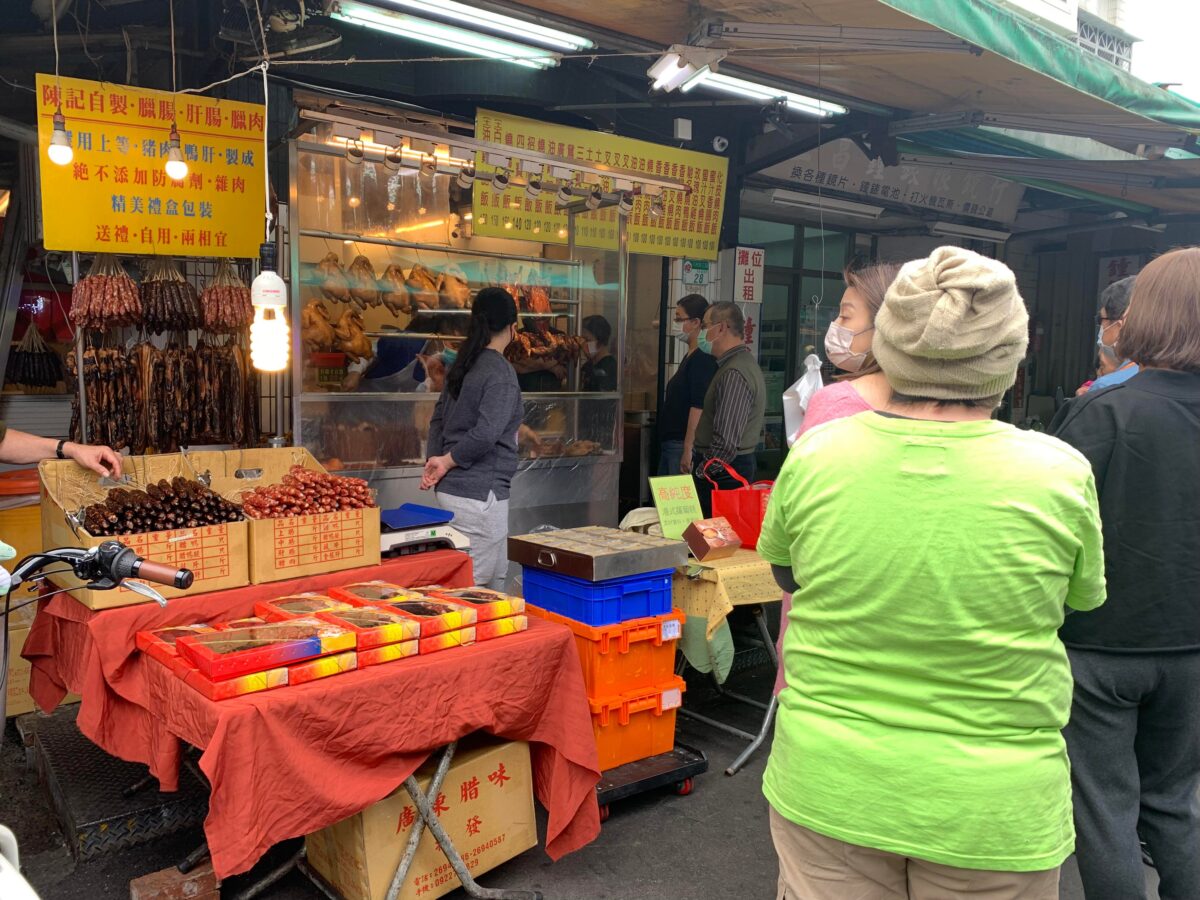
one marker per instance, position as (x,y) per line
(745,507)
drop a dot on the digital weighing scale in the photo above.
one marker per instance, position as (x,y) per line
(411,528)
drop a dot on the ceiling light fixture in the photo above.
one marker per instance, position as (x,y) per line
(59,150)
(593,201)
(680,65)
(500,180)
(564,196)
(826,204)
(466,177)
(752,90)
(533,188)
(656,209)
(442,35)
(949,229)
(474,17)
(625,203)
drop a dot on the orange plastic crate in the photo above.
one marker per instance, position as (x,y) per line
(630,656)
(636,724)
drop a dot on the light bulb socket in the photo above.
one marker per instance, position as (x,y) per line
(60,121)
(266,256)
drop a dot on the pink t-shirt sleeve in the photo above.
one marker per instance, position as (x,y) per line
(834,401)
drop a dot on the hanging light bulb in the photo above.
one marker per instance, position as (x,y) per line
(60,151)
(177,167)
(269,335)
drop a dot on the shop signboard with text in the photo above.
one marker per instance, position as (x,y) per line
(841,167)
(689,223)
(115,196)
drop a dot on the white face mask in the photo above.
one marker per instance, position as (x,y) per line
(1105,349)
(838,340)
(677,330)
(592,347)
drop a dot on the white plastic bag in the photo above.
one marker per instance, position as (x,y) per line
(795,398)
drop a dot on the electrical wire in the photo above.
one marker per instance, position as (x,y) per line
(54,26)
(174,85)
(264,65)
(19,87)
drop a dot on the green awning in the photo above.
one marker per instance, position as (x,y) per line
(1001,31)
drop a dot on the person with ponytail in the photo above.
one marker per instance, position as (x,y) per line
(472,451)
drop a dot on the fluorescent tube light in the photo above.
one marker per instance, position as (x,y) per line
(949,229)
(460,39)
(753,90)
(475,18)
(826,204)
(681,65)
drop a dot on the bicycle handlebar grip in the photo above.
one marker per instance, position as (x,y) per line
(163,574)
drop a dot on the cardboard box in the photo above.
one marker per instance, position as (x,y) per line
(710,539)
(494,628)
(242,651)
(447,640)
(487,803)
(302,545)
(217,554)
(375,626)
(388,653)
(488,604)
(322,668)
(433,615)
(296,605)
(18,700)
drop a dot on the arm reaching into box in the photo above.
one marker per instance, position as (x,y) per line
(19,447)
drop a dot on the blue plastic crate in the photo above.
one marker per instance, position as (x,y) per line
(600,602)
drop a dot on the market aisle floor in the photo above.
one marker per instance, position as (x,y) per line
(711,845)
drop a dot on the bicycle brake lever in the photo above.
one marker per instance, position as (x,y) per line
(146,591)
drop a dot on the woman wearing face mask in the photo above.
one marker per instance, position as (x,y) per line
(680,413)
(472,451)
(864,387)
(600,370)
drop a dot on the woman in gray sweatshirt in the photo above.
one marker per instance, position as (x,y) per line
(472,452)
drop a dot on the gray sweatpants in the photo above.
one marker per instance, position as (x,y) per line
(485,523)
(1134,743)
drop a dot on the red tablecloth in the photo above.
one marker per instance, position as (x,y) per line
(285,763)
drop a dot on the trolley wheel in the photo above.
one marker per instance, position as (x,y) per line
(604,811)
(685,787)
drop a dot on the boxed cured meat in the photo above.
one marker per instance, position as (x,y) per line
(486,631)
(370,591)
(488,604)
(387,653)
(235,687)
(461,637)
(298,605)
(216,553)
(375,626)
(227,654)
(159,644)
(435,616)
(322,667)
(239,623)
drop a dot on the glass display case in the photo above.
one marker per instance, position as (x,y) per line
(383,273)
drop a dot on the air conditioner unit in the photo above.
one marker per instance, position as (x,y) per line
(949,229)
(826,204)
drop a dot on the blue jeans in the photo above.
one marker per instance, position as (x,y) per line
(668,460)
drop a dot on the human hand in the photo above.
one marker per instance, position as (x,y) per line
(685,461)
(101,460)
(436,468)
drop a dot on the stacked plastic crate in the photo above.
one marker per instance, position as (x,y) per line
(624,627)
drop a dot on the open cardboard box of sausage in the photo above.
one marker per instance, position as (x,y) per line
(297,546)
(217,554)
(223,556)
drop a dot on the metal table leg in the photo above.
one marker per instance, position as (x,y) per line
(428,818)
(769,708)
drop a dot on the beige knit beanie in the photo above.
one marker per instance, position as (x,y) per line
(952,327)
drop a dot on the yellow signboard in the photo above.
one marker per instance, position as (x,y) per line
(689,225)
(115,197)
(677,504)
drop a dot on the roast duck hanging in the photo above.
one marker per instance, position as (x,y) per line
(349,336)
(364,286)
(315,329)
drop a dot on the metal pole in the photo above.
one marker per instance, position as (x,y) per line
(79,381)
(622,324)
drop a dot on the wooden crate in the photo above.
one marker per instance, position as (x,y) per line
(217,554)
(303,545)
